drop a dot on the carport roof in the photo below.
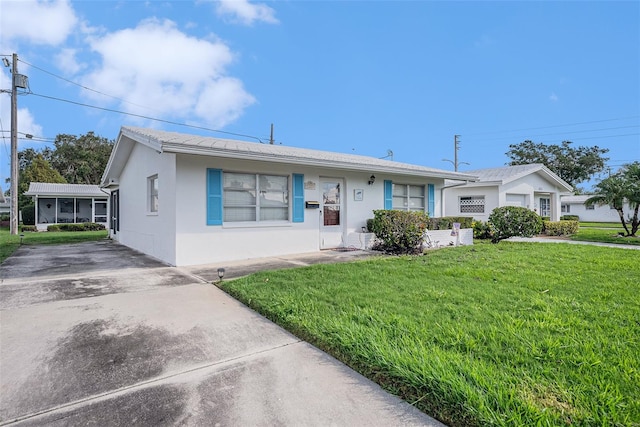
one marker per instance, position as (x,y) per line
(64,190)
(172,142)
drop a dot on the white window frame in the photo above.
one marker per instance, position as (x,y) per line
(565,208)
(471,204)
(590,207)
(152,195)
(408,196)
(257,205)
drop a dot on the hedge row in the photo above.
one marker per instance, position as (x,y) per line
(86,226)
(560,228)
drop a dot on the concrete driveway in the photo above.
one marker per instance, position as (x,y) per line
(97,334)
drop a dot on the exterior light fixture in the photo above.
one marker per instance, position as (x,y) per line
(220,273)
(21,237)
(372,179)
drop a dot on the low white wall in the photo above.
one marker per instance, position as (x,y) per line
(444,237)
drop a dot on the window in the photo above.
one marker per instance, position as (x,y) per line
(590,207)
(472,204)
(565,208)
(255,197)
(152,194)
(408,197)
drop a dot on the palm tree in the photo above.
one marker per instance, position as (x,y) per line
(618,188)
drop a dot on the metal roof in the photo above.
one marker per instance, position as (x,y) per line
(173,142)
(505,174)
(62,190)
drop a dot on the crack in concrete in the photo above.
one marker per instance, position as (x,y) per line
(167,378)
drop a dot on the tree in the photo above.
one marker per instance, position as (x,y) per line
(39,170)
(618,188)
(573,165)
(81,160)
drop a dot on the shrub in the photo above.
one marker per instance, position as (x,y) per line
(569,218)
(28,228)
(370,225)
(399,232)
(86,226)
(509,221)
(53,227)
(481,230)
(446,222)
(5,217)
(29,214)
(560,228)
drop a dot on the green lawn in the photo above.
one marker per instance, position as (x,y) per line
(601,225)
(9,243)
(604,233)
(506,334)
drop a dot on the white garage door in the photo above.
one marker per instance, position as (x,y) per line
(516,200)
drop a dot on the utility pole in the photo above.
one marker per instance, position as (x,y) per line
(456,147)
(17,81)
(271,137)
(14,148)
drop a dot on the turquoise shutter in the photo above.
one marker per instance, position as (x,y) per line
(214,197)
(388,195)
(298,197)
(432,199)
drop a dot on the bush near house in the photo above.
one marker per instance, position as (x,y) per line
(569,218)
(31,228)
(87,226)
(446,222)
(510,221)
(560,228)
(399,232)
(29,214)
(481,230)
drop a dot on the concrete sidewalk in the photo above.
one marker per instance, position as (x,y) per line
(97,334)
(538,239)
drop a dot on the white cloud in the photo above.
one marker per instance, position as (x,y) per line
(553,97)
(37,22)
(173,74)
(243,12)
(66,61)
(26,121)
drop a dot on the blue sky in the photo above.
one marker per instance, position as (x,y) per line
(358,77)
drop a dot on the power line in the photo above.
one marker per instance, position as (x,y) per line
(554,126)
(111,110)
(86,88)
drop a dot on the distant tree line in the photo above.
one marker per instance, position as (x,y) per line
(72,159)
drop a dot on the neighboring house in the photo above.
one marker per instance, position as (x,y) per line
(574,205)
(187,199)
(68,203)
(5,206)
(531,186)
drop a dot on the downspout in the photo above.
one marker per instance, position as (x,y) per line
(442,200)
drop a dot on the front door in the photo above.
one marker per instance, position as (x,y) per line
(545,206)
(331,214)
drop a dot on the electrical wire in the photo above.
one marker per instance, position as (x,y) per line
(85,87)
(554,126)
(111,110)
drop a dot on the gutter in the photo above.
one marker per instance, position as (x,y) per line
(442,195)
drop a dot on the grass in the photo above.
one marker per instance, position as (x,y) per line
(601,225)
(604,233)
(507,334)
(10,243)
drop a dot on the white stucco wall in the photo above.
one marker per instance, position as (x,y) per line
(525,192)
(598,213)
(452,200)
(151,233)
(199,243)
